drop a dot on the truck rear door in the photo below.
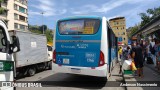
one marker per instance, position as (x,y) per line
(78,42)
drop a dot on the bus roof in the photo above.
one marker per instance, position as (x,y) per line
(78,17)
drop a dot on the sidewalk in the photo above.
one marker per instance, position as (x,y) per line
(149,75)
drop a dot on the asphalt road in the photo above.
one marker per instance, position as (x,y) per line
(59,81)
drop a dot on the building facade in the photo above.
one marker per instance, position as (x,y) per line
(15,14)
(118,26)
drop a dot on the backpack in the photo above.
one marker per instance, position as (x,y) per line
(152,50)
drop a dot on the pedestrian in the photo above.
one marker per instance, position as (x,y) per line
(143,46)
(132,50)
(132,54)
(139,60)
(152,50)
(120,51)
(145,51)
(157,49)
(120,58)
(128,52)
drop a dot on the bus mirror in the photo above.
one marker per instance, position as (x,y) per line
(15,46)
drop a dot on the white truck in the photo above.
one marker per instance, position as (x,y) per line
(33,55)
(6,58)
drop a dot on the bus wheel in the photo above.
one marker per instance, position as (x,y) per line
(31,71)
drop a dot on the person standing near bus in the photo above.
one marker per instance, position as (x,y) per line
(132,54)
(157,49)
(120,51)
(152,50)
(128,52)
(139,59)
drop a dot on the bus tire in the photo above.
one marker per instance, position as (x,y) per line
(31,71)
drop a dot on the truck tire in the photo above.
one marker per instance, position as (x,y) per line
(31,71)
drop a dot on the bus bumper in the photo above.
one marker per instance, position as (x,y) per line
(97,71)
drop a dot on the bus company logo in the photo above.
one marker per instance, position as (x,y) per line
(82,46)
(68,47)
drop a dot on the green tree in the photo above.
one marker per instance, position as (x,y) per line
(49,35)
(1,1)
(133,30)
(1,9)
(149,15)
(145,19)
(33,27)
(36,31)
(43,27)
(39,30)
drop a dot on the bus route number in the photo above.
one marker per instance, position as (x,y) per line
(90,57)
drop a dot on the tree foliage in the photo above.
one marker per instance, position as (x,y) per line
(39,30)
(43,27)
(49,35)
(1,1)
(145,18)
(149,15)
(133,30)
(1,9)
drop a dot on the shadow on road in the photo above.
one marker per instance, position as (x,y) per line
(21,75)
(70,80)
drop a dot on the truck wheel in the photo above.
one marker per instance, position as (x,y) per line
(31,71)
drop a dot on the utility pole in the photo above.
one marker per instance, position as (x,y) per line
(42,21)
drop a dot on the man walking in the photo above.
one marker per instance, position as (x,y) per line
(139,60)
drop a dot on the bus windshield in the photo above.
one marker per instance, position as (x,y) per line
(79,26)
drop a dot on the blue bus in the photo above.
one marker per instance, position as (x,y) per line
(84,45)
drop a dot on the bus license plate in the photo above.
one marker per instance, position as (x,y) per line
(75,70)
(65,61)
